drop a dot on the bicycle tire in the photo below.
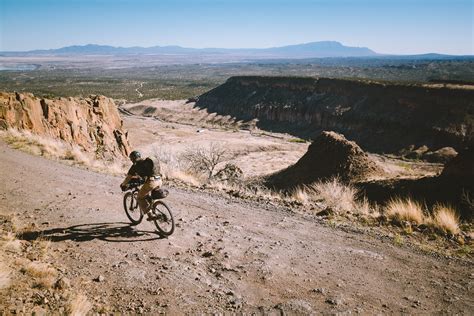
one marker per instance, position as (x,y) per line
(130,205)
(164,215)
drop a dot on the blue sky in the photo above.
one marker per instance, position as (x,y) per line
(386,26)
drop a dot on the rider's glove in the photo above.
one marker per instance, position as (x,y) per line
(123,187)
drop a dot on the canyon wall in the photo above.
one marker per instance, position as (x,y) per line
(380,117)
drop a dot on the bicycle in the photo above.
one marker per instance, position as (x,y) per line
(160,212)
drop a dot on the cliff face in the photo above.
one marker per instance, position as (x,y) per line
(92,123)
(380,117)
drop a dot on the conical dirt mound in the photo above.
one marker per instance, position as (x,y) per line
(330,155)
(461,166)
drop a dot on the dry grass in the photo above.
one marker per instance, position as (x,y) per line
(337,196)
(5,273)
(364,207)
(43,246)
(398,240)
(57,149)
(172,168)
(44,275)
(10,243)
(300,195)
(79,306)
(404,210)
(446,219)
(183,176)
(35,144)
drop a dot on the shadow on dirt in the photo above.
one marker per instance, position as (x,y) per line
(111,232)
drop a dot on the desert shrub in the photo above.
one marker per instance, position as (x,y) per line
(446,219)
(204,160)
(44,275)
(404,210)
(337,196)
(172,166)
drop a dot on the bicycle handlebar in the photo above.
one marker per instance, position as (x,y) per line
(133,184)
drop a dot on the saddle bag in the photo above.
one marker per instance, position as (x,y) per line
(159,194)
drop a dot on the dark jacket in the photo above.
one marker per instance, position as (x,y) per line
(147,167)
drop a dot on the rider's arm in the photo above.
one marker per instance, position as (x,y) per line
(127,179)
(130,175)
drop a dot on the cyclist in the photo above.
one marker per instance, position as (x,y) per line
(148,170)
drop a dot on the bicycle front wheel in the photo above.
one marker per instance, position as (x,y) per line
(163,218)
(130,204)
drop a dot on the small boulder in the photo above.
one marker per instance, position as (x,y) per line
(63,283)
(442,155)
(417,153)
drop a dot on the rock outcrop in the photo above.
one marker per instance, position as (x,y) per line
(92,123)
(330,155)
(380,117)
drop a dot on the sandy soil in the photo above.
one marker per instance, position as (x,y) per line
(255,152)
(225,255)
(161,126)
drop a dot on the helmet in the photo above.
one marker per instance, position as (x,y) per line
(134,155)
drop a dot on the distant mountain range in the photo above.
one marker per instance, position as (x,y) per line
(307,50)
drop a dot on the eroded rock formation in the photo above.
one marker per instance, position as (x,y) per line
(92,123)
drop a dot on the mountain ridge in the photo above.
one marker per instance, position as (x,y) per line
(311,49)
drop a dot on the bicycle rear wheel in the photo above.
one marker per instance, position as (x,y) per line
(164,221)
(130,204)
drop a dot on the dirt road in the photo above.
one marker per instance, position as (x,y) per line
(226,254)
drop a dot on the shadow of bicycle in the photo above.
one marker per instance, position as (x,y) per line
(111,232)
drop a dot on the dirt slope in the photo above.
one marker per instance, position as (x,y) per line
(225,254)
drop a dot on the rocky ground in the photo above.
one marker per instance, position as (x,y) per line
(225,255)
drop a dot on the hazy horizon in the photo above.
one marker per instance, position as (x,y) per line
(388,27)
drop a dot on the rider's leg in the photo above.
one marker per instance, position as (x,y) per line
(146,188)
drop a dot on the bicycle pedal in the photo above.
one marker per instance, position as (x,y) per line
(151,218)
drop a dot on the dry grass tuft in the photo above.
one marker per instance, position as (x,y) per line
(300,195)
(336,195)
(10,243)
(44,275)
(398,240)
(404,210)
(5,279)
(79,306)
(364,207)
(446,219)
(43,246)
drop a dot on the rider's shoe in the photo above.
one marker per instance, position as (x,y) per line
(150,216)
